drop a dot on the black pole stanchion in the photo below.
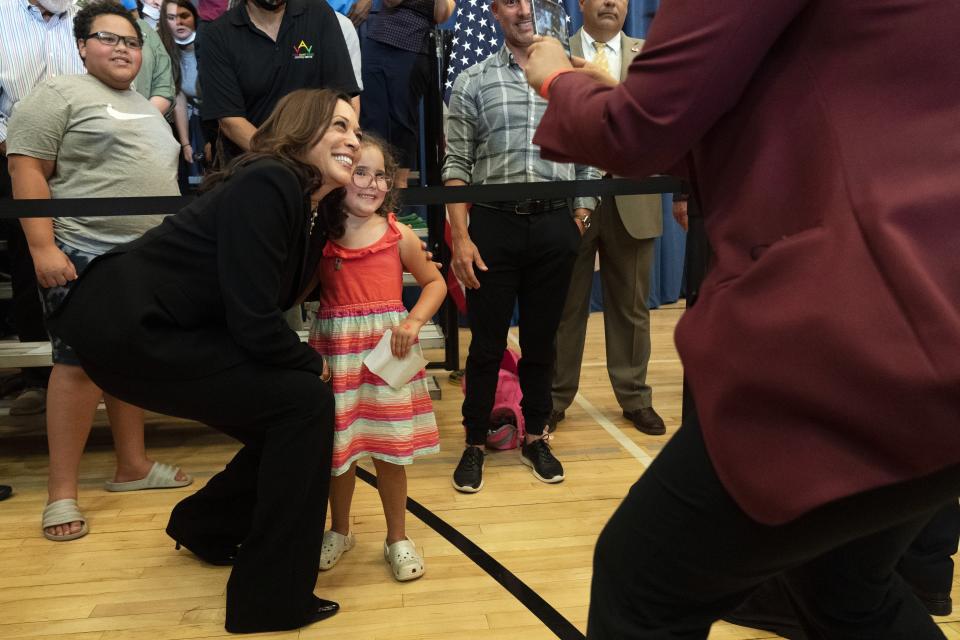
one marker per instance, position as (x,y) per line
(436,213)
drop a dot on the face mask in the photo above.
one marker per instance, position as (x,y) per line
(55,6)
(151,12)
(270,5)
(188,40)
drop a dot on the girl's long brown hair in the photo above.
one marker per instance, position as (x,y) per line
(298,121)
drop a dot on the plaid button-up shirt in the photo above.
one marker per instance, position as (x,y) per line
(493,116)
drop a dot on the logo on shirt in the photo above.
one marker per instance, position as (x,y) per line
(303,51)
(120,115)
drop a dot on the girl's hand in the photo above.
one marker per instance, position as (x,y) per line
(404,336)
(187,153)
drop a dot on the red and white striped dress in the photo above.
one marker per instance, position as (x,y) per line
(360,299)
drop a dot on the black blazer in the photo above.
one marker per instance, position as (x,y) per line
(205,289)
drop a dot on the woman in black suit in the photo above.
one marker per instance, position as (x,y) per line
(188,321)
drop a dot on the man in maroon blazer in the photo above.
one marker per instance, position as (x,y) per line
(822,139)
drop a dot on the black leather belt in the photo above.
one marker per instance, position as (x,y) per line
(526,207)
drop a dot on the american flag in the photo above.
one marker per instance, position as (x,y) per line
(475,37)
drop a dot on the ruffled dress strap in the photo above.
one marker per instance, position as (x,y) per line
(390,238)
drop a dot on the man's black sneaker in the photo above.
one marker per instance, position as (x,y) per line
(540,459)
(468,476)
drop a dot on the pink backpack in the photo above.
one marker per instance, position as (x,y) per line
(506,419)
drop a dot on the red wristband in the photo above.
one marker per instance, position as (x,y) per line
(545,87)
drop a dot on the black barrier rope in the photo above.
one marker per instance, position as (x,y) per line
(533,601)
(74,207)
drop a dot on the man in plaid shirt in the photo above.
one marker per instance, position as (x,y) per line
(513,252)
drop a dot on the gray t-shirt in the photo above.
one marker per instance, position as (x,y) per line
(106,143)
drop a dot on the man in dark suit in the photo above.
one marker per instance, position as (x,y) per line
(623,230)
(824,351)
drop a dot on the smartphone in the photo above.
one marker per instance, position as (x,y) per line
(550,19)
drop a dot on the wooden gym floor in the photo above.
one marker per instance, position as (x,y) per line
(125,581)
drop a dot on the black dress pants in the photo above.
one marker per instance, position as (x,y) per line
(271,499)
(679,554)
(529,258)
(927,565)
(27,310)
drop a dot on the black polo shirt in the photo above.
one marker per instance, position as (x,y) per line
(244,73)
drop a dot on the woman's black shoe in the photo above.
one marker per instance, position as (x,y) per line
(324,609)
(251,622)
(217,557)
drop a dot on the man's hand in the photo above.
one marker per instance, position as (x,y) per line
(53,267)
(429,254)
(578,216)
(680,213)
(359,11)
(544,56)
(592,70)
(465,256)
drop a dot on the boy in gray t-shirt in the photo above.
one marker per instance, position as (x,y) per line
(90,136)
(106,143)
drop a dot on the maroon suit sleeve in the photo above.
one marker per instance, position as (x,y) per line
(698,57)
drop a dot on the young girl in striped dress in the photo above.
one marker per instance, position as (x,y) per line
(361,274)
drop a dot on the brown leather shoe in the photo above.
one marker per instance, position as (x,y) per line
(646,420)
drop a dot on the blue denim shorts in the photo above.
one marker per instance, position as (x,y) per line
(54,296)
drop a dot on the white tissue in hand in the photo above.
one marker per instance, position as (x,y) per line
(395,371)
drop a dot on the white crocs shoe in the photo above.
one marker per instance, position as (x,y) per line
(334,545)
(404,560)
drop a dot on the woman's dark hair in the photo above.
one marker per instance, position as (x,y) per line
(83,21)
(169,41)
(298,121)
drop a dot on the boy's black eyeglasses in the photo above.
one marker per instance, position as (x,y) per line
(112,39)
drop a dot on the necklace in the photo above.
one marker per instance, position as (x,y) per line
(313,216)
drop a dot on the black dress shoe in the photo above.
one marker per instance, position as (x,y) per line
(252,620)
(323,609)
(5,491)
(937,604)
(220,557)
(647,421)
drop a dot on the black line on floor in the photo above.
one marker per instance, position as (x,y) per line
(529,598)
